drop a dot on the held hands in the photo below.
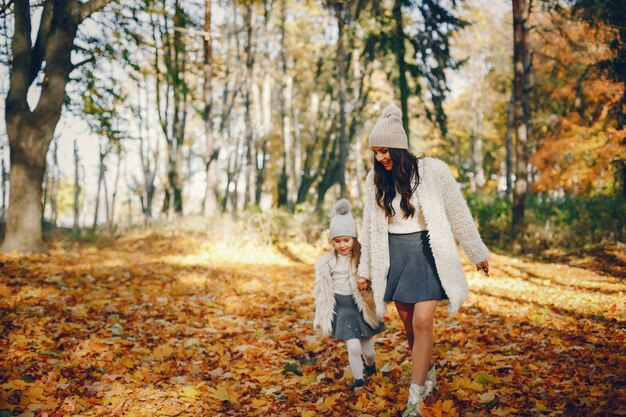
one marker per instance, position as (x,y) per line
(484,267)
(362,284)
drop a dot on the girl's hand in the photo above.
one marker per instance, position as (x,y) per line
(484,266)
(362,284)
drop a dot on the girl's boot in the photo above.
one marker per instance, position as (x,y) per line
(416,396)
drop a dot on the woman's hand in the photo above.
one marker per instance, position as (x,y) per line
(362,284)
(484,266)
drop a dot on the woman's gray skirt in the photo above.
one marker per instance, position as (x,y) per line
(348,321)
(412,276)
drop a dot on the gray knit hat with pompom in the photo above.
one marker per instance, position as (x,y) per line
(388,131)
(342,223)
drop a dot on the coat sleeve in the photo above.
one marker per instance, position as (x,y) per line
(366,229)
(463,227)
(324,302)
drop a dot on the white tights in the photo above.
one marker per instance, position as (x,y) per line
(357,348)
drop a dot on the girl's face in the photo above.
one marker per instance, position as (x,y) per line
(383,157)
(343,244)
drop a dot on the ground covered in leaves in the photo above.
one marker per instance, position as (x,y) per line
(155,325)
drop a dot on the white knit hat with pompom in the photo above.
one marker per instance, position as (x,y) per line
(388,131)
(342,223)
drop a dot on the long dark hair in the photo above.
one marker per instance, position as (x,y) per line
(403,177)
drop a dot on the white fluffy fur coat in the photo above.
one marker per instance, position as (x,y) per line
(447,218)
(325,298)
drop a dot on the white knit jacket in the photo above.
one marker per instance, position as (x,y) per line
(325,298)
(447,218)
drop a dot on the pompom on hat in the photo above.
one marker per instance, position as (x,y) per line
(388,131)
(342,223)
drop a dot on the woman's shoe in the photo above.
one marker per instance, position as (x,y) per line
(431,381)
(370,370)
(416,396)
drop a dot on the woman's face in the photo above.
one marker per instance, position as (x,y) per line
(382,156)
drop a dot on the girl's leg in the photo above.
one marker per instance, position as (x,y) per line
(367,350)
(354,357)
(406,315)
(422,325)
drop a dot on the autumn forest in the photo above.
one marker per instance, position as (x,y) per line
(168,169)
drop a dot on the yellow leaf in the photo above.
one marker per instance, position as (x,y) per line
(14,384)
(162,352)
(503,411)
(484,378)
(464,383)
(447,406)
(308,413)
(328,403)
(487,396)
(224,393)
(189,393)
(258,403)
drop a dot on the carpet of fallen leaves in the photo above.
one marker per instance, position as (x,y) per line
(155,325)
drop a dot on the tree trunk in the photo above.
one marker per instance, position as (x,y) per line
(45,191)
(100,180)
(172,115)
(520,15)
(149,162)
(307,175)
(341,75)
(30,132)
(107,207)
(3,178)
(249,191)
(111,218)
(76,185)
(209,204)
(180,106)
(478,179)
(330,170)
(56,178)
(402,67)
(358,146)
(264,113)
(509,147)
(284,192)
(23,226)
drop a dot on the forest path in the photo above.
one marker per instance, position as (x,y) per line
(155,325)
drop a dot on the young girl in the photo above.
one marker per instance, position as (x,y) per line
(413,213)
(343,306)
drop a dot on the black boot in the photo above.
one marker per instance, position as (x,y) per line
(358,383)
(370,370)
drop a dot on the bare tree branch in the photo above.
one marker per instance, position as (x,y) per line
(39,50)
(5,8)
(21,50)
(83,62)
(86,9)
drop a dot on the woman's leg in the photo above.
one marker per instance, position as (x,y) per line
(422,326)
(418,324)
(406,315)
(354,357)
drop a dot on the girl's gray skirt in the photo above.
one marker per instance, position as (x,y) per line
(412,276)
(348,321)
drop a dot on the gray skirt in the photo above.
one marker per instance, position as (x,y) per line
(348,321)
(412,276)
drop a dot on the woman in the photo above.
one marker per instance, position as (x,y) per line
(412,215)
